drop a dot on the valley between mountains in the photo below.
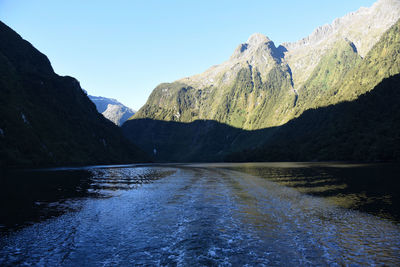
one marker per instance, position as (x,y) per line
(282,155)
(333,95)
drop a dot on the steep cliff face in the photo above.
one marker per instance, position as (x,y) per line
(262,85)
(254,80)
(46,119)
(363,28)
(341,106)
(365,129)
(342,75)
(354,115)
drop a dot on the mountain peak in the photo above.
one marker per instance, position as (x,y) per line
(112,109)
(258,38)
(387,2)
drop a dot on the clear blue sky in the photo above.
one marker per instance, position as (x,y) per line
(124,48)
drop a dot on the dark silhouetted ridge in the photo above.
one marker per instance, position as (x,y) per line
(46,119)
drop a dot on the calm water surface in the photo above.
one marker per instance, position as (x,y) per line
(272,214)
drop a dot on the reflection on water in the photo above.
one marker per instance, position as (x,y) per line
(372,188)
(207,214)
(31,196)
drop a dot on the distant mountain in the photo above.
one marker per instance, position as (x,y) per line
(264,85)
(46,119)
(112,109)
(244,101)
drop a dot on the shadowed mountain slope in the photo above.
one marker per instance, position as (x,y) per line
(46,119)
(347,109)
(366,129)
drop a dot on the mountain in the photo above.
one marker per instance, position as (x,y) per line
(363,28)
(262,85)
(46,119)
(112,109)
(263,94)
(365,129)
(237,92)
(118,114)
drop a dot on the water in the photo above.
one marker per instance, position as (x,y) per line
(283,214)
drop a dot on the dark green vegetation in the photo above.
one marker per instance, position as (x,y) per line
(255,100)
(329,73)
(366,129)
(183,142)
(348,109)
(46,119)
(354,76)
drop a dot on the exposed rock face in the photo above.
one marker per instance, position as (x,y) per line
(259,52)
(262,85)
(112,109)
(235,92)
(353,115)
(118,114)
(363,28)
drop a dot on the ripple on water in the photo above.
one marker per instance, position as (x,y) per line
(203,216)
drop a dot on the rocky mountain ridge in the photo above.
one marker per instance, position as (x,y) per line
(363,28)
(261,85)
(112,109)
(365,127)
(253,107)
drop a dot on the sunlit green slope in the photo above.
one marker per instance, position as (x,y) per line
(346,110)
(258,86)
